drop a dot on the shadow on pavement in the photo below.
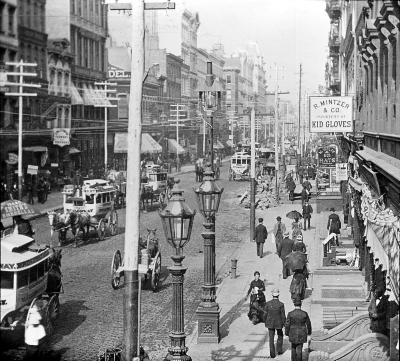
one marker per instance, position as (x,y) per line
(234,313)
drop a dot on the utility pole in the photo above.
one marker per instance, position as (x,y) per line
(298,131)
(177,113)
(131,242)
(276,134)
(252,173)
(106,105)
(20,94)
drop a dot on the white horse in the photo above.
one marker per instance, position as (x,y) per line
(59,223)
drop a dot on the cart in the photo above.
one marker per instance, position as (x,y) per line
(149,263)
(25,283)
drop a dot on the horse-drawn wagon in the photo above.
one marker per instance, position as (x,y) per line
(149,262)
(91,206)
(30,283)
(153,185)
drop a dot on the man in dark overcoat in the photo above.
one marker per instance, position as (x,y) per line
(297,327)
(307,211)
(274,313)
(279,230)
(284,249)
(260,235)
(334,225)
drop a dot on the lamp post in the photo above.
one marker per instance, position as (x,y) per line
(208,198)
(177,220)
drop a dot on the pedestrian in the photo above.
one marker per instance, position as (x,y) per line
(291,188)
(260,235)
(275,318)
(256,283)
(279,230)
(40,191)
(301,173)
(29,191)
(307,211)
(296,228)
(22,226)
(298,328)
(46,189)
(307,184)
(334,225)
(305,196)
(34,333)
(285,248)
(299,245)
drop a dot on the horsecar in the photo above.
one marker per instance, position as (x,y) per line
(154,185)
(240,166)
(28,282)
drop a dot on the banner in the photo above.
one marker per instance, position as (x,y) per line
(327,157)
(61,136)
(341,172)
(331,114)
(32,169)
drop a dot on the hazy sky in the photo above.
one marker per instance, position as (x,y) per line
(288,32)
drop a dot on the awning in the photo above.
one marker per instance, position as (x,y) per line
(35,148)
(173,146)
(149,145)
(73,150)
(76,98)
(218,145)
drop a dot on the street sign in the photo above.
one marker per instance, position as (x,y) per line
(32,169)
(327,157)
(331,114)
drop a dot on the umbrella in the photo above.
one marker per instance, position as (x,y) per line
(296,260)
(294,215)
(13,208)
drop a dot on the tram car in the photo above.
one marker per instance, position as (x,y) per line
(240,166)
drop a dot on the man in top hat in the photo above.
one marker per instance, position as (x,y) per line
(279,230)
(334,225)
(297,327)
(284,249)
(275,320)
(260,235)
(307,211)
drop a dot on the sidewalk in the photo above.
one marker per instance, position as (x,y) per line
(240,339)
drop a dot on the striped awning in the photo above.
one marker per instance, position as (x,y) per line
(76,98)
(174,147)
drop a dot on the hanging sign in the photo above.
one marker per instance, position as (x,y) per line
(341,172)
(331,114)
(12,158)
(61,136)
(327,157)
(32,169)
(54,165)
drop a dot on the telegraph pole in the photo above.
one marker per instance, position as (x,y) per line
(21,85)
(252,174)
(106,105)
(131,243)
(176,111)
(298,131)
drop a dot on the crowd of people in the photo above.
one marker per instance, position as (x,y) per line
(31,189)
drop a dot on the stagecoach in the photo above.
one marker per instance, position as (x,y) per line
(154,185)
(240,166)
(92,205)
(149,262)
(30,281)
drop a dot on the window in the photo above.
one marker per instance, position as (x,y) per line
(33,274)
(79,8)
(59,82)
(72,6)
(228,94)
(2,6)
(22,278)
(28,14)
(228,79)
(41,269)
(98,199)
(84,9)
(7,280)
(11,13)
(91,12)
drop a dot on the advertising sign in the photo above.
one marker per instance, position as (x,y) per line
(331,114)
(61,136)
(12,158)
(54,165)
(327,157)
(341,172)
(32,169)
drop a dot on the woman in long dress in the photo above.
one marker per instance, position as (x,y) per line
(296,229)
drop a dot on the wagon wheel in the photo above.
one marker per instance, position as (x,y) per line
(115,264)
(113,223)
(156,272)
(54,307)
(101,229)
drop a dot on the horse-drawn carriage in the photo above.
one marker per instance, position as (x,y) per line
(153,185)
(240,166)
(149,262)
(30,283)
(91,206)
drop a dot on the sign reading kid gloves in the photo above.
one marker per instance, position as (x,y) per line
(331,114)
(61,136)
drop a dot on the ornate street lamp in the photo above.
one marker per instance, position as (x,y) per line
(208,198)
(177,220)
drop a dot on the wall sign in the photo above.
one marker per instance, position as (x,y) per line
(61,136)
(32,169)
(341,172)
(331,114)
(327,157)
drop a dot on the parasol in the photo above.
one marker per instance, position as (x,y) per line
(294,215)
(12,208)
(296,260)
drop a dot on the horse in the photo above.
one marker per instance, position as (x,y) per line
(78,221)
(54,277)
(58,223)
(146,195)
